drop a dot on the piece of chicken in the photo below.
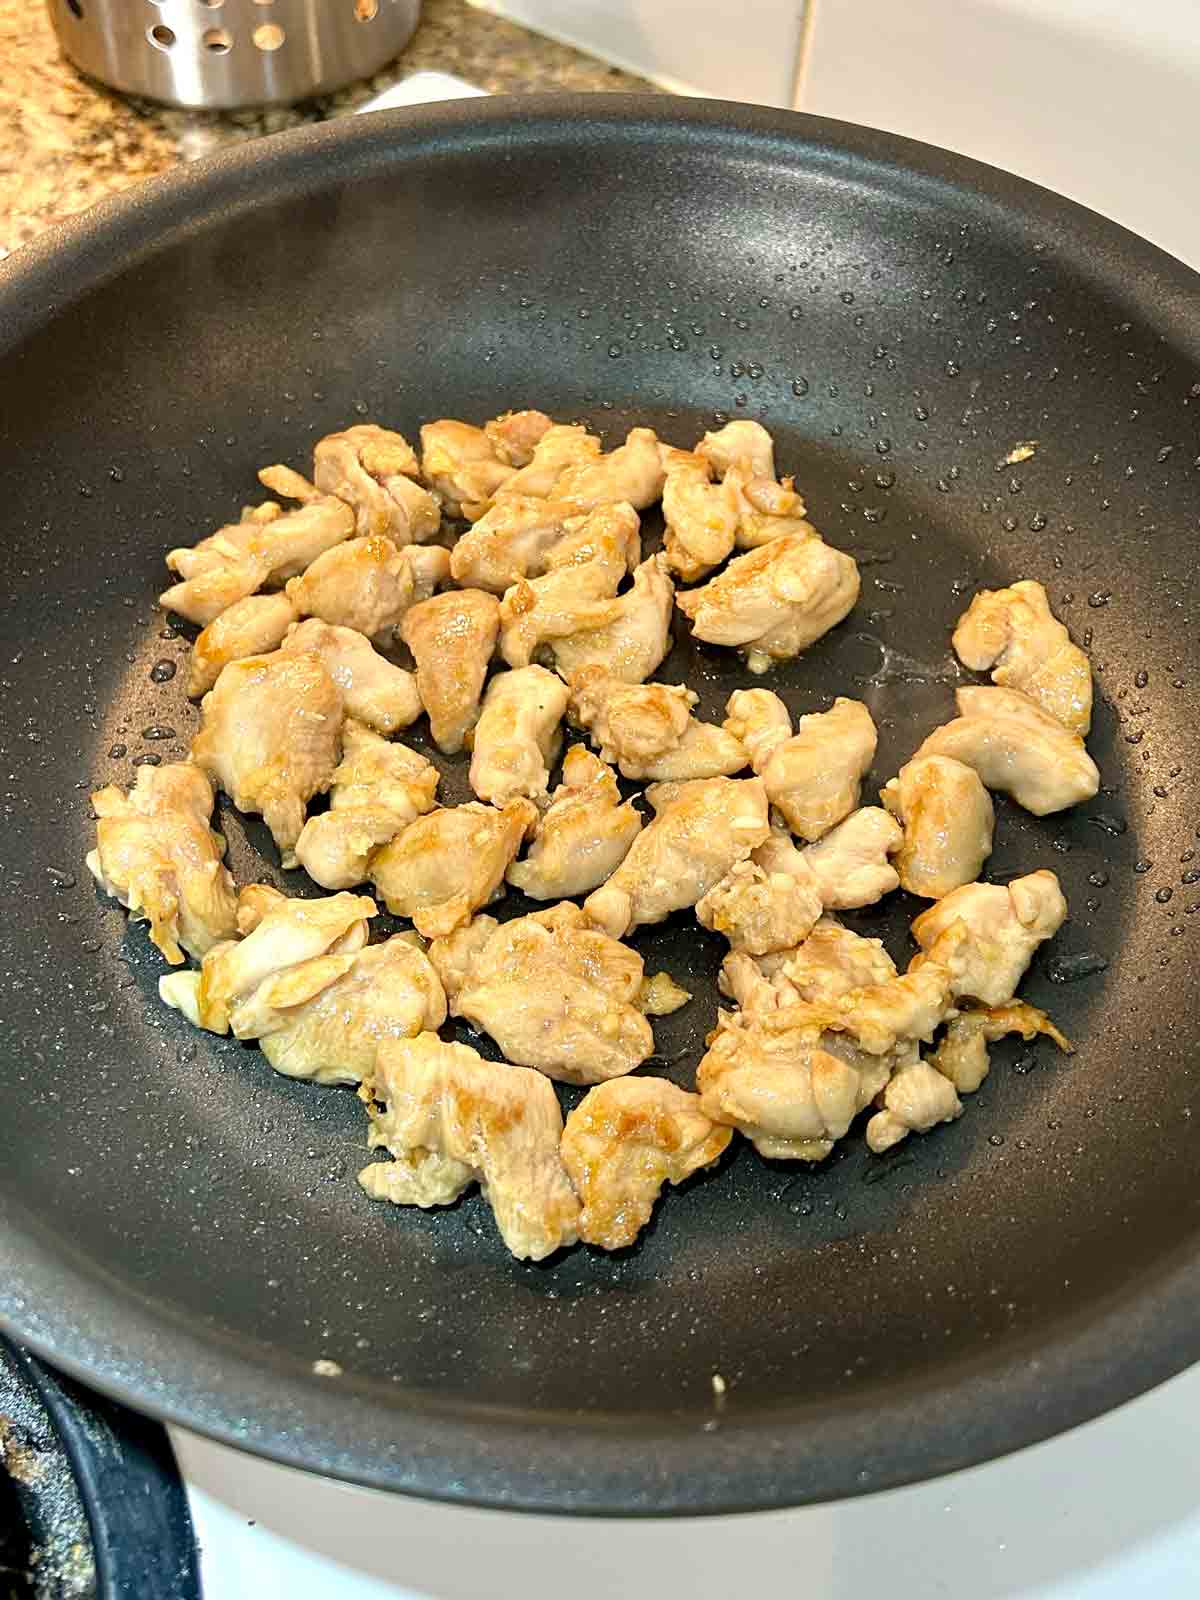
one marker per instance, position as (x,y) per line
(509,542)
(554,993)
(460,465)
(515,436)
(700,517)
(915,1099)
(636,636)
(1016,748)
(773,602)
(948,819)
(292,949)
(364,584)
(452,637)
(374,471)
(561,446)
(374,690)
(1006,923)
(649,731)
(271,735)
(447,864)
(157,855)
(584,570)
(623,1142)
(758,911)
(739,443)
(742,455)
(880,1017)
(440,1105)
(851,862)
(518,736)
(813,777)
(700,830)
(633,472)
(430,568)
(583,837)
(376,791)
(249,627)
(830,961)
(389,991)
(1014,632)
(962,1055)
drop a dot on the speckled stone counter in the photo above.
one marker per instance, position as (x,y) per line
(65,142)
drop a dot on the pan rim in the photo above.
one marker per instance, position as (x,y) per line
(993,1403)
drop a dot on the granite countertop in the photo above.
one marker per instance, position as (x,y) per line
(65,142)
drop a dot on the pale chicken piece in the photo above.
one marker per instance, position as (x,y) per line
(389,991)
(291,950)
(553,993)
(962,1055)
(948,819)
(700,830)
(1006,923)
(633,641)
(252,626)
(205,597)
(623,1142)
(851,862)
(760,912)
(739,443)
(515,436)
(916,1098)
(460,465)
(700,517)
(834,960)
(431,1102)
(563,445)
(364,584)
(767,509)
(374,690)
(773,602)
(156,853)
(509,542)
(1014,632)
(376,791)
(880,1017)
(813,777)
(448,863)
(584,570)
(270,736)
(374,471)
(1016,748)
(518,736)
(430,568)
(632,472)
(452,638)
(583,837)
(648,729)
(660,995)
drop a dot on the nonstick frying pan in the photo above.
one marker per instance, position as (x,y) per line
(181,1226)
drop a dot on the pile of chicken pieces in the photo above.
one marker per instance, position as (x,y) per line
(303,613)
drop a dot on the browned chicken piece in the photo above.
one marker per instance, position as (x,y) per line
(447,864)
(1016,748)
(460,465)
(374,691)
(515,436)
(292,949)
(916,1098)
(430,568)
(364,584)
(648,729)
(700,517)
(813,776)
(510,542)
(948,819)
(759,911)
(962,1056)
(389,991)
(270,736)
(623,1142)
(773,602)
(637,635)
(1006,922)
(379,788)
(583,837)
(829,962)
(375,472)
(739,443)
(450,1119)
(554,993)
(1014,632)
(560,447)
(236,561)
(452,637)
(633,472)
(911,1007)
(518,735)
(250,627)
(157,855)
(700,830)
(743,457)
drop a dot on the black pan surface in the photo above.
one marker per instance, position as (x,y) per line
(181,1226)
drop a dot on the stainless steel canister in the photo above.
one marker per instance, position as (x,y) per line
(220,54)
